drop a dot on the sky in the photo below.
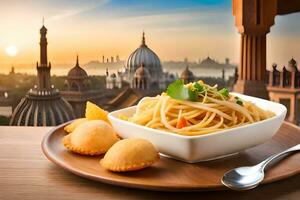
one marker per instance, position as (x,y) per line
(174,29)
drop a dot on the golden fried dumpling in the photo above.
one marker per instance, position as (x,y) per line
(92,137)
(130,155)
(71,127)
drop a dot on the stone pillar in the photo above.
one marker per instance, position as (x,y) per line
(253,18)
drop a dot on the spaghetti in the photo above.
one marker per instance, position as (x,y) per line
(196,109)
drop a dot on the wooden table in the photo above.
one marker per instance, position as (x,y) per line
(25,173)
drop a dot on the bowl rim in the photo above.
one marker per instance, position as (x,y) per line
(221,132)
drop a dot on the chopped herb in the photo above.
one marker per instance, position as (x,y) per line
(239,102)
(177,90)
(193,95)
(224,92)
(199,88)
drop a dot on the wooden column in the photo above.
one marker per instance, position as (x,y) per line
(253,19)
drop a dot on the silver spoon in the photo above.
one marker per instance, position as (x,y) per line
(245,178)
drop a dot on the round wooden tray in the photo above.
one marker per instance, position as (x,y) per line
(173,175)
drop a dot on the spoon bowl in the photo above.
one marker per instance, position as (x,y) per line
(243,178)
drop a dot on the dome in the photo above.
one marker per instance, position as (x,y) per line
(141,72)
(186,73)
(77,72)
(144,55)
(208,61)
(42,108)
(187,76)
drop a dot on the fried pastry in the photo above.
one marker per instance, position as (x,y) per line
(92,137)
(71,127)
(130,155)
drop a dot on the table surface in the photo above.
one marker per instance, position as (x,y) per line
(25,173)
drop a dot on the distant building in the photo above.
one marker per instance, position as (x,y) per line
(12,71)
(210,63)
(77,79)
(144,75)
(43,105)
(77,90)
(113,81)
(143,71)
(187,75)
(284,87)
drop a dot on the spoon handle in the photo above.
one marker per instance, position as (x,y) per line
(264,163)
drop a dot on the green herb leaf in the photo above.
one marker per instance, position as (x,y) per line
(224,92)
(177,90)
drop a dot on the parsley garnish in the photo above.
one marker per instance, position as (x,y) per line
(198,88)
(194,91)
(224,92)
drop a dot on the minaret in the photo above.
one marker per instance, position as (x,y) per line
(43,68)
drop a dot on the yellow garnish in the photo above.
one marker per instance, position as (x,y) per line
(93,112)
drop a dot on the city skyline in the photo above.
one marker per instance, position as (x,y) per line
(192,29)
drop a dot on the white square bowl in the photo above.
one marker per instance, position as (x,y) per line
(193,149)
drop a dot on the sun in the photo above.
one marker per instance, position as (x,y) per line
(11,50)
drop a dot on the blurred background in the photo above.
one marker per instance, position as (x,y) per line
(57,54)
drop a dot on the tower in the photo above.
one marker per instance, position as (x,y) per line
(43,68)
(42,105)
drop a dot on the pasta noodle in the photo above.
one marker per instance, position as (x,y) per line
(212,111)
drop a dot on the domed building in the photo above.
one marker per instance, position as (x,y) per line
(141,78)
(143,73)
(77,90)
(42,105)
(187,75)
(77,79)
(143,55)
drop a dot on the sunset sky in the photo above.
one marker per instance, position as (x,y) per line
(174,29)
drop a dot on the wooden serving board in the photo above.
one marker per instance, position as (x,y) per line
(173,175)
